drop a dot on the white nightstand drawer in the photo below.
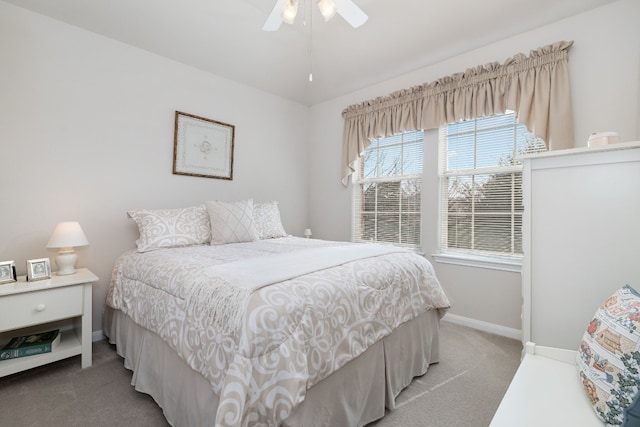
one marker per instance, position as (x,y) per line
(32,308)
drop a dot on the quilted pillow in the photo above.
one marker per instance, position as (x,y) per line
(231,222)
(266,217)
(609,359)
(169,228)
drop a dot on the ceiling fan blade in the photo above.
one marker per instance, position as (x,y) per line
(274,20)
(351,12)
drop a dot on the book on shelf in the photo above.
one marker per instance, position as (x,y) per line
(29,345)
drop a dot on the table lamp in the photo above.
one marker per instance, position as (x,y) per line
(65,236)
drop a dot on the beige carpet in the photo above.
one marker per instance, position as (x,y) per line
(464,389)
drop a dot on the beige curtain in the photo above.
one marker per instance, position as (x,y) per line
(536,87)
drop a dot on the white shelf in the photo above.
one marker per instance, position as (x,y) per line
(69,346)
(582,150)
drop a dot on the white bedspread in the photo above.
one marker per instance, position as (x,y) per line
(222,295)
(297,323)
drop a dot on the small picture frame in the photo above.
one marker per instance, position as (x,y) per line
(38,269)
(7,272)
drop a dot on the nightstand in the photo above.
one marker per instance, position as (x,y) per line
(62,302)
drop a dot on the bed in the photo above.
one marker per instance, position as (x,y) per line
(271,330)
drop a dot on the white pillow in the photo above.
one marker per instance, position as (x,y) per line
(267,219)
(231,222)
(169,228)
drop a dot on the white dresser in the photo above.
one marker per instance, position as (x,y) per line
(581,237)
(60,302)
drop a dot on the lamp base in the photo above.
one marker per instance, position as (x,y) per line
(66,263)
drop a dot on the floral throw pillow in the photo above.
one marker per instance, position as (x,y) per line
(267,219)
(608,359)
(170,228)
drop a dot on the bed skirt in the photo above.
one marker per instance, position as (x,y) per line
(355,395)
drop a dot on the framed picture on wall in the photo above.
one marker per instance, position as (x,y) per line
(38,269)
(202,147)
(7,272)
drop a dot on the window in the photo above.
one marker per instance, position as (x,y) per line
(481,185)
(387,191)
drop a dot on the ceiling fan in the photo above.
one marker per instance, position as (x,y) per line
(286,10)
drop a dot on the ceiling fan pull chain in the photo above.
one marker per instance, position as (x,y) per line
(310,42)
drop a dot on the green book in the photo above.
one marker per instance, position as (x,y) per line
(29,345)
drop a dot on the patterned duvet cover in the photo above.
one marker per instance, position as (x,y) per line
(292,334)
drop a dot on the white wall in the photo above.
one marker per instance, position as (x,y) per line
(604,65)
(86,134)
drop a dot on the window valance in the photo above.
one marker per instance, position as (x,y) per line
(536,87)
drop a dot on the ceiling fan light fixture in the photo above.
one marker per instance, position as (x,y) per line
(327,8)
(290,11)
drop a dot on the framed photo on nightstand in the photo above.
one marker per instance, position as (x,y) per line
(38,269)
(7,272)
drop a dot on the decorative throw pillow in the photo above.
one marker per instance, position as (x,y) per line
(267,219)
(231,222)
(169,228)
(609,359)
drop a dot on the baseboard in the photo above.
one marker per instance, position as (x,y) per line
(97,336)
(492,328)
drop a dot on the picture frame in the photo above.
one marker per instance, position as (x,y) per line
(202,147)
(7,272)
(38,269)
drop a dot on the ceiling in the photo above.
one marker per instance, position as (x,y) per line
(225,37)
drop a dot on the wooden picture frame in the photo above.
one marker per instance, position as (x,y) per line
(202,147)
(7,272)
(38,269)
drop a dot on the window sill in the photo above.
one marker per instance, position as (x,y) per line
(512,264)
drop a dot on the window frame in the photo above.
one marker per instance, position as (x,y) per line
(474,257)
(358,181)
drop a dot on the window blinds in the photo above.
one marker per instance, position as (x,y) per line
(481,184)
(387,191)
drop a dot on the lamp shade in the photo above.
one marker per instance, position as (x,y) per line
(67,235)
